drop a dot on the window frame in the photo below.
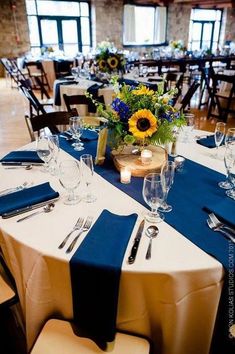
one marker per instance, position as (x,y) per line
(203,22)
(59,19)
(144,44)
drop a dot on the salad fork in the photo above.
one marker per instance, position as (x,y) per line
(16,189)
(219,223)
(85,227)
(76,227)
(216,228)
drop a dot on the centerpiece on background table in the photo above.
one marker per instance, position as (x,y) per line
(108,59)
(140,118)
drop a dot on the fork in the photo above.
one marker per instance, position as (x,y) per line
(215,228)
(76,227)
(15,189)
(85,227)
(218,223)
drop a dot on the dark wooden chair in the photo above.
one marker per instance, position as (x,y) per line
(12,69)
(173,80)
(35,70)
(185,102)
(205,86)
(8,293)
(76,100)
(49,120)
(222,100)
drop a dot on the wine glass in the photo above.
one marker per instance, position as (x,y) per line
(44,151)
(75,73)
(230,162)
(55,148)
(230,136)
(153,194)
(76,127)
(69,177)
(226,184)
(219,135)
(87,169)
(167,177)
(188,128)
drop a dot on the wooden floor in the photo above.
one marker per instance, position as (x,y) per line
(13,129)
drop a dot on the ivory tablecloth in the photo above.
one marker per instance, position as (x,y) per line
(172,298)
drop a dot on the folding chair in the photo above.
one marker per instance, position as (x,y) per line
(185,102)
(58,337)
(35,70)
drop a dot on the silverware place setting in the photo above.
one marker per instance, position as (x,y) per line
(220,229)
(84,228)
(46,209)
(22,186)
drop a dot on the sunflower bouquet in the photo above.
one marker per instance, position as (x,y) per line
(140,116)
(108,59)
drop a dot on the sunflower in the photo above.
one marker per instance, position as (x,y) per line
(112,62)
(102,64)
(143,90)
(143,124)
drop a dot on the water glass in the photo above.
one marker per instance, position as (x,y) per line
(69,177)
(188,128)
(153,194)
(230,163)
(87,169)
(226,184)
(167,178)
(219,135)
(76,128)
(230,136)
(43,148)
(55,148)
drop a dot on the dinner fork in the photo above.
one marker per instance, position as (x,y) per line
(218,223)
(215,228)
(85,227)
(16,189)
(76,227)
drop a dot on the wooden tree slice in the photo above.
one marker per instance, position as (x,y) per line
(126,158)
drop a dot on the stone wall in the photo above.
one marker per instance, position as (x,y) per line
(107,21)
(178,22)
(14,34)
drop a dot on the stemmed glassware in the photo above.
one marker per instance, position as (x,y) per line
(188,128)
(230,163)
(69,177)
(87,169)
(226,184)
(230,136)
(44,150)
(153,194)
(167,177)
(55,148)
(219,135)
(76,128)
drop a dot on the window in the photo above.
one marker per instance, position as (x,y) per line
(61,25)
(204,29)
(144,25)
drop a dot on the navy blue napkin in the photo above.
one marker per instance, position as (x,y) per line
(26,197)
(95,272)
(208,142)
(224,210)
(88,135)
(22,156)
(57,90)
(93,90)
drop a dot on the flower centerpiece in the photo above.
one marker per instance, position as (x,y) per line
(108,59)
(179,44)
(140,116)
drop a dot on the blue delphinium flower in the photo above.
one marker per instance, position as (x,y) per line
(122,109)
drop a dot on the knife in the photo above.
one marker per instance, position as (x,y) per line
(26,209)
(17,163)
(131,258)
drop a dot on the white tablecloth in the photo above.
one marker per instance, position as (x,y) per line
(171,298)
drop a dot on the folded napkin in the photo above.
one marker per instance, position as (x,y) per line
(95,272)
(88,135)
(93,90)
(22,156)
(27,197)
(224,210)
(57,89)
(209,141)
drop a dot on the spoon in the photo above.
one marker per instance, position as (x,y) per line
(152,231)
(46,209)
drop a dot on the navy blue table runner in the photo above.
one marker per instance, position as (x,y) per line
(193,190)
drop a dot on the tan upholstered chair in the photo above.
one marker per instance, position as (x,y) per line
(57,337)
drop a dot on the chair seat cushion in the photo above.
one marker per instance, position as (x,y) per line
(57,337)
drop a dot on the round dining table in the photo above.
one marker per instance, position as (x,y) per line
(171,298)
